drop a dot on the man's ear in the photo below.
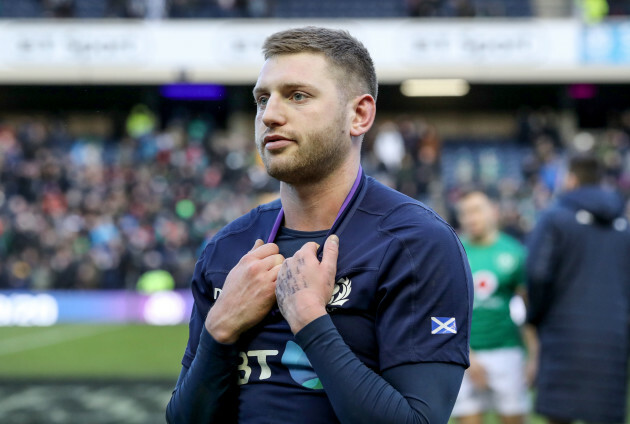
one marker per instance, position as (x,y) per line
(364,108)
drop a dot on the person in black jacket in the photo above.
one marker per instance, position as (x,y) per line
(578,272)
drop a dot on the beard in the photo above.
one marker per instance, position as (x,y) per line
(318,153)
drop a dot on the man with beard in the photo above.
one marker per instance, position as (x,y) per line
(343,301)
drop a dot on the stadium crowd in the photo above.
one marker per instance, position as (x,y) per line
(203,9)
(91,212)
(79,211)
(160,9)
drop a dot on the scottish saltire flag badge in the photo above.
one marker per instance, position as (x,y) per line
(443,325)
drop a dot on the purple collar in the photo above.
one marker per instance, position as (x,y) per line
(344,205)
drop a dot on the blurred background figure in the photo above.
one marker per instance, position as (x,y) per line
(496,379)
(389,147)
(592,11)
(578,281)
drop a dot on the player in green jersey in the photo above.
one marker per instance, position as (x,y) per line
(498,373)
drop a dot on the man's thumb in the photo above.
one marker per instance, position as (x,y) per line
(330,253)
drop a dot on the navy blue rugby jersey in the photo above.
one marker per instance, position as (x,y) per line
(403,295)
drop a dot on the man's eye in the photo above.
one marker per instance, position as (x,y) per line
(262,101)
(298,97)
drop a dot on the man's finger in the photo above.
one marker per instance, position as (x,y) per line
(262,250)
(330,254)
(258,243)
(272,261)
(274,271)
(310,247)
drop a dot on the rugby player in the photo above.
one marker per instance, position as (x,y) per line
(342,301)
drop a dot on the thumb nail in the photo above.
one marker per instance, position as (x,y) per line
(334,239)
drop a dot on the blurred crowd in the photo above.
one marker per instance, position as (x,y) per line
(79,210)
(590,10)
(526,175)
(161,9)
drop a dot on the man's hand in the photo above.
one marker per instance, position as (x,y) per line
(531,371)
(477,373)
(305,285)
(248,293)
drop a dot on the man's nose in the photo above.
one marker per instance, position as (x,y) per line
(274,113)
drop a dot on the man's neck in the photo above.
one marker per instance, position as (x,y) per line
(487,239)
(312,207)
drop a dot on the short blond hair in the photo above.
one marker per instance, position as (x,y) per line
(345,53)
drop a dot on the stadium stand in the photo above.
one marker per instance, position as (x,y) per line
(200,9)
(109,209)
(204,9)
(59,218)
(93,203)
(331,9)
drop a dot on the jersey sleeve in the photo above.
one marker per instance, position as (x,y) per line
(203,300)
(413,393)
(216,260)
(425,292)
(207,392)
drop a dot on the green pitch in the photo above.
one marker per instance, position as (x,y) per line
(92,351)
(101,351)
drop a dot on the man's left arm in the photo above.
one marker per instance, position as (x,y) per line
(409,393)
(413,387)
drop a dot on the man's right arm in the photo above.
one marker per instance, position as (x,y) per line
(206,392)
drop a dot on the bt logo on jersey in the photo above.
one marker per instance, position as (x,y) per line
(261,357)
(293,358)
(300,367)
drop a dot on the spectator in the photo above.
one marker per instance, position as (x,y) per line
(592,11)
(423,8)
(137,9)
(389,147)
(59,8)
(578,281)
(496,379)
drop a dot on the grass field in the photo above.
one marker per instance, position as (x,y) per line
(92,351)
(99,352)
